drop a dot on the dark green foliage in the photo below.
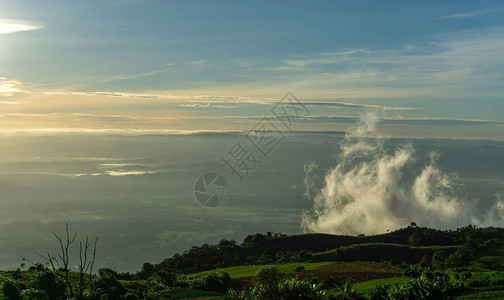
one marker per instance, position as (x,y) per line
(300,268)
(37,267)
(426,261)
(33,294)
(218,283)
(429,286)
(16,275)
(346,291)
(137,289)
(459,258)
(377,253)
(430,237)
(438,259)
(380,292)
(206,257)
(291,289)
(11,291)
(269,247)
(492,279)
(329,282)
(50,283)
(147,271)
(109,287)
(104,272)
(294,289)
(266,282)
(165,278)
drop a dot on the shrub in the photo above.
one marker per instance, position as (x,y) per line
(33,294)
(428,286)
(438,259)
(346,291)
(110,287)
(266,283)
(380,292)
(300,268)
(11,291)
(300,289)
(291,289)
(460,258)
(164,278)
(218,283)
(50,283)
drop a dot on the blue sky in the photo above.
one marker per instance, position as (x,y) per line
(92,64)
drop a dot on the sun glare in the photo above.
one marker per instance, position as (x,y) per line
(11,27)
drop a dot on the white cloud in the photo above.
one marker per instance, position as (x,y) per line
(452,64)
(373,190)
(197,62)
(9,87)
(474,13)
(12,26)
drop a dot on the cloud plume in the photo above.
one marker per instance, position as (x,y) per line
(373,189)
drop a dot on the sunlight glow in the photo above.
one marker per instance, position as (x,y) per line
(7,27)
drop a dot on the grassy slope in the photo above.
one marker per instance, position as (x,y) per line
(340,271)
(250,271)
(185,293)
(366,287)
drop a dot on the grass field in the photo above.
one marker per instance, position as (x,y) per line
(483,294)
(186,293)
(250,271)
(341,271)
(366,287)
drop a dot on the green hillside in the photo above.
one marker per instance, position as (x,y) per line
(410,263)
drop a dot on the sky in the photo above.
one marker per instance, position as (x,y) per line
(111,110)
(428,69)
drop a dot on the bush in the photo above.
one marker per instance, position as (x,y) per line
(110,287)
(164,278)
(218,283)
(50,283)
(459,258)
(33,294)
(429,286)
(266,283)
(300,268)
(291,289)
(294,289)
(11,291)
(438,259)
(346,291)
(380,292)
(486,280)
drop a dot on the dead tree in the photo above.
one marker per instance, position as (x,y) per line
(91,288)
(63,255)
(86,266)
(51,260)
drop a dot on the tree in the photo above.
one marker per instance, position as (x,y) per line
(267,280)
(10,291)
(63,255)
(86,266)
(147,270)
(50,283)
